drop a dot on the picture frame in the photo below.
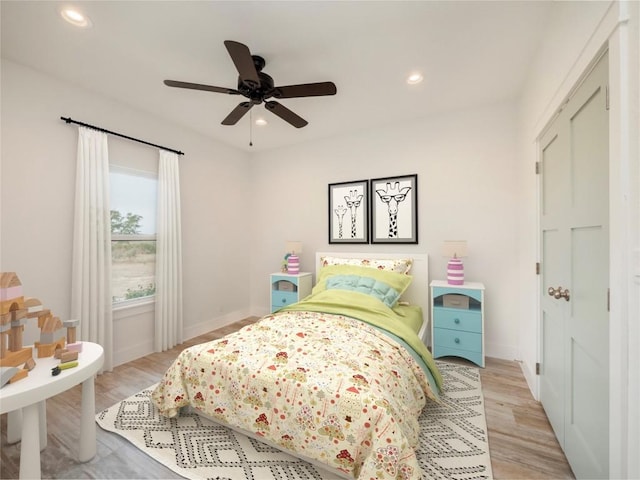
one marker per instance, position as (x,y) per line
(349,212)
(394,209)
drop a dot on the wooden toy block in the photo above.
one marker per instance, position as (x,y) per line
(9,304)
(51,324)
(49,349)
(15,337)
(68,357)
(59,352)
(74,347)
(32,304)
(50,337)
(14,310)
(6,374)
(9,279)
(42,318)
(29,364)
(71,326)
(22,373)
(18,315)
(4,344)
(42,312)
(12,294)
(15,359)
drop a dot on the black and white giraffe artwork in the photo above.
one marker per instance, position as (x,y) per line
(394,209)
(348,212)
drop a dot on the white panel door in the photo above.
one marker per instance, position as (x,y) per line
(574,386)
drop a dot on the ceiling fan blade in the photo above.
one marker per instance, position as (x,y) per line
(198,86)
(243,61)
(306,90)
(237,113)
(285,114)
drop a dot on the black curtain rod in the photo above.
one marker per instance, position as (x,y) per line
(70,120)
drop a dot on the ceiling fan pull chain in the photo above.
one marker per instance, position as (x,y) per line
(250,128)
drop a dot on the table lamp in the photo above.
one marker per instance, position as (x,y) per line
(455,249)
(293,261)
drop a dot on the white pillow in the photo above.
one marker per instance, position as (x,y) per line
(397,265)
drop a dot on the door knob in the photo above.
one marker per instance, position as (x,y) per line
(559,293)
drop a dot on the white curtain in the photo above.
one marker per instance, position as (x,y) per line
(168,315)
(91,275)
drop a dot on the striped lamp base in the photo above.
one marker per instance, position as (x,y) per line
(455,272)
(293,264)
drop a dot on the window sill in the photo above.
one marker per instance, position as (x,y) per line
(131,308)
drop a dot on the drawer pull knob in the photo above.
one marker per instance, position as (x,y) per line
(284,300)
(456,321)
(457,340)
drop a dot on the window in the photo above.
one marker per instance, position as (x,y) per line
(133,198)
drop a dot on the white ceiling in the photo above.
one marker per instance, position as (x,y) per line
(471,53)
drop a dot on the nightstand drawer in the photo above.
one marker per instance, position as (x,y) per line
(445,338)
(281,299)
(457,319)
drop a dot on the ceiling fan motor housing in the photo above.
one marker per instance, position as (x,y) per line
(257,94)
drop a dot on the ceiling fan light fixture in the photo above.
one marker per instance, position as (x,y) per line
(415,78)
(261,122)
(75,17)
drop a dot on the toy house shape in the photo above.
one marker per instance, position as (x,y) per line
(15,309)
(13,314)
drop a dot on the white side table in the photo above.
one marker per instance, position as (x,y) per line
(28,398)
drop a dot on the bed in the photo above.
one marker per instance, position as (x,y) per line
(338,379)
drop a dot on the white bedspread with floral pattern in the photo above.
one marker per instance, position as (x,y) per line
(323,386)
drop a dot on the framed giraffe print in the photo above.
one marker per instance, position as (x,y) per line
(349,212)
(394,209)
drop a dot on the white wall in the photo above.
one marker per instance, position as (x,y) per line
(37,195)
(259,203)
(465,163)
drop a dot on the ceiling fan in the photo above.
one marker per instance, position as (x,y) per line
(258,87)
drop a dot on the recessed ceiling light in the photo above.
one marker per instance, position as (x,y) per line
(414,78)
(261,121)
(75,17)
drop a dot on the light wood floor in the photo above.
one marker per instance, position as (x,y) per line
(521,442)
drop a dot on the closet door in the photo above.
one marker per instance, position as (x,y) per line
(575,276)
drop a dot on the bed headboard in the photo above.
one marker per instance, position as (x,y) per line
(418,291)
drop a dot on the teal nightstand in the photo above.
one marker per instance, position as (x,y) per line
(457,326)
(287,288)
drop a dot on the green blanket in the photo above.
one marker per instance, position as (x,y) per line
(370,310)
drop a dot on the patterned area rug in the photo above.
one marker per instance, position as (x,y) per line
(453,438)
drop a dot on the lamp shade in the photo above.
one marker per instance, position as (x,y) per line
(293,246)
(293,261)
(455,249)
